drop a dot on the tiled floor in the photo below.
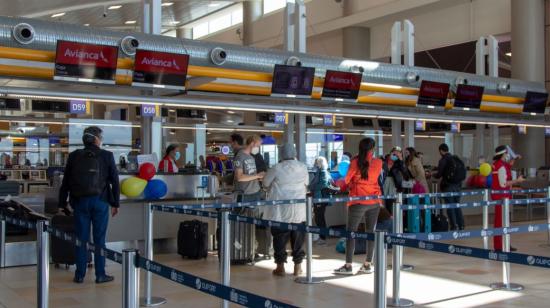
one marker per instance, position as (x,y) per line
(439,280)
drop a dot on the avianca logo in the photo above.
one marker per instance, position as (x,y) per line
(346,81)
(160,62)
(80,54)
(433,90)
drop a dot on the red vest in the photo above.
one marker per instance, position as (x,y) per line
(496,184)
(359,187)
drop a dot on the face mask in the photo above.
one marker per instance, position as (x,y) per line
(177,156)
(255,150)
(507,157)
(393,157)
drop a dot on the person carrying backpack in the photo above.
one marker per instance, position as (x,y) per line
(90,182)
(452,172)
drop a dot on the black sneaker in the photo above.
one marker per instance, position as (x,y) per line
(77,279)
(104,279)
(344,270)
(366,269)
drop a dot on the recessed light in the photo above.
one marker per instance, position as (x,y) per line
(86,25)
(130,22)
(175,22)
(58,15)
(509,54)
(167,4)
(212,4)
(231,112)
(114,7)
(229,121)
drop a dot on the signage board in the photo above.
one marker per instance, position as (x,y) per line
(328,120)
(341,86)
(433,94)
(160,69)
(522,129)
(455,127)
(292,81)
(85,62)
(535,102)
(149,110)
(281,118)
(78,107)
(468,97)
(419,126)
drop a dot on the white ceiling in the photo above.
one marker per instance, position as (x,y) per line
(92,12)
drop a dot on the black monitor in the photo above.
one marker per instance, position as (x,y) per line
(535,102)
(433,94)
(468,97)
(292,81)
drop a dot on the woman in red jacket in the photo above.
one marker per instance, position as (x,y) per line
(502,180)
(362,180)
(168,162)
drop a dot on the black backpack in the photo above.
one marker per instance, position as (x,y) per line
(455,172)
(85,175)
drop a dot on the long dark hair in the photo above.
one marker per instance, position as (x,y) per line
(412,155)
(169,149)
(366,145)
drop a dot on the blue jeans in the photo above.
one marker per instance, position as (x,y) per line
(90,211)
(456,219)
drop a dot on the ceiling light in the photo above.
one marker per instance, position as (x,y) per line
(231,112)
(115,7)
(58,15)
(509,54)
(167,4)
(213,4)
(130,22)
(230,121)
(86,25)
(175,22)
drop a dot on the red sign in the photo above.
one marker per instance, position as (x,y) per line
(85,62)
(160,69)
(342,85)
(433,93)
(468,96)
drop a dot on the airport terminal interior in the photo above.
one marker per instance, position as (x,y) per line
(236,134)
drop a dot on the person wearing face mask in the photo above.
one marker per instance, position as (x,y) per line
(168,163)
(247,178)
(502,180)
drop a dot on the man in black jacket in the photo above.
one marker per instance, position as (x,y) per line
(456,218)
(90,182)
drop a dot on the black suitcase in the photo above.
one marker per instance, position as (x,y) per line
(440,223)
(61,251)
(193,239)
(243,238)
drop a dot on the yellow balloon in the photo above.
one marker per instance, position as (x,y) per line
(485,169)
(133,187)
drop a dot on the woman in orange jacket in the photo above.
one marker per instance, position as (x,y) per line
(362,180)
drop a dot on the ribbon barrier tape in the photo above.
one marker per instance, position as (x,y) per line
(446,194)
(178,210)
(351,199)
(520,191)
(463,234)
(450,205)
(19,222)
(302,227)
(529,201)
(210,287)
(473,252)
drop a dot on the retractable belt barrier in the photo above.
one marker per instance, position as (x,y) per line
(209,287)
(510,257)
(449,205)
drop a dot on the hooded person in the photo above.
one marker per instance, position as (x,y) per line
(287,180)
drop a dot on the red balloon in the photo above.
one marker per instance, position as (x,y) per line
(480,181)
(147,171)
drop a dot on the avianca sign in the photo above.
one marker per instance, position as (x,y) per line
(160,69)
(343,85)
(86,54)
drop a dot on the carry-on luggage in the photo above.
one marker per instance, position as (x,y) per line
(64,252)
(193,239)
(243,238)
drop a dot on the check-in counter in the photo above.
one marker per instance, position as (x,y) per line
(129,224)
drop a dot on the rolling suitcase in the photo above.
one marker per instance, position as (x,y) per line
(63,252)
(243,238)
(193,239)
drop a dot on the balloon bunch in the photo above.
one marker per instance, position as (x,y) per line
(483,179)
(134,186)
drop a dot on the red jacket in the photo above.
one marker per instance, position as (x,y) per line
(359,187)
(496,184)
(170,165)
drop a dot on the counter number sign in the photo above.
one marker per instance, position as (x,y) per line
(78,107)
(149,110)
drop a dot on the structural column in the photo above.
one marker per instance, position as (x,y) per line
(528,63)
(409,134)
(396,133)
(184,33)
(252,11)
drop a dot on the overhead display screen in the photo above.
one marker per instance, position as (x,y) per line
(160,69)
(292,81)
(85,62)
(340,86)
(468,97)
(535,102)
(433,94)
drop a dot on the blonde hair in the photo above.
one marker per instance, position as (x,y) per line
(253,139)
(321,162)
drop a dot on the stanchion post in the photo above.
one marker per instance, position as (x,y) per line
(43,263)
(130,279)
(148,300)
(2,243)
(397,254)
(225,253)
(380,254)
(485,218)
(548,212)
(506,284)
(405,267)
(309,246)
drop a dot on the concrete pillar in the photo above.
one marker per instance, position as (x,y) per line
(494,142)
(200,143)
(252,11)
(409,134)
(396,133)
(300,137)
(528,63)
(479,145)
(184,33)
(288,133)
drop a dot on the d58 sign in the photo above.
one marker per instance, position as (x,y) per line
(160,69)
